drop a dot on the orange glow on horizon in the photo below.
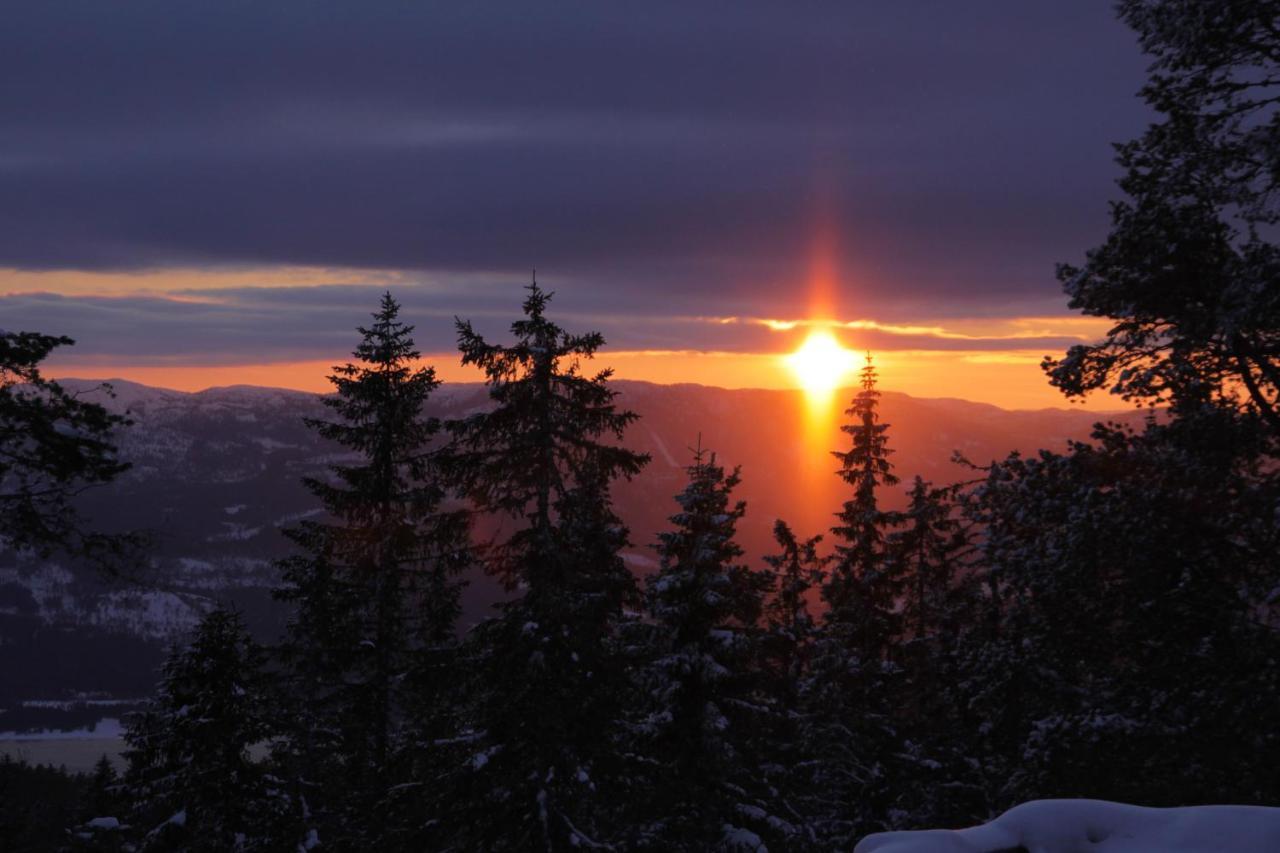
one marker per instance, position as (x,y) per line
(821,364)
(1009,379)
(822,367)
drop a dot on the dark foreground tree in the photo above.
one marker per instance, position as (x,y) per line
(1138,571)
(191,784)
(790,637)
(850,733)
(1136,655)
(936,782)
(1189,271)
(864,584)
(710,713)
(103,804)
(37,804)
(53,446)
(798,574)
(371,642)
(542,771)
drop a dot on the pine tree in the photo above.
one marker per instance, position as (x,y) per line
(789,642)
(191,784)
(850,733)
(1130,580)
(541,771)
(709,702)
(376,594)
(1187,274)
(940,603)
(927,552)
(1135,574)
(37,804)
(798,570)
(863,586)
(102,806)
(104,788)
(53,445)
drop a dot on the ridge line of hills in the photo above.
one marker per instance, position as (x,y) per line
(216,475)
(843,393)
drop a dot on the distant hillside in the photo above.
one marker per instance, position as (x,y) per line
(216,476)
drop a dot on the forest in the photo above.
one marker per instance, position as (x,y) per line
(1097,621)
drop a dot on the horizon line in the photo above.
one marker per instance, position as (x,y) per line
(480,383)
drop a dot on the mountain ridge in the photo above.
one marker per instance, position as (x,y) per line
(119,383)
(216,476)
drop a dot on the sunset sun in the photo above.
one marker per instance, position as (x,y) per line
(821,363)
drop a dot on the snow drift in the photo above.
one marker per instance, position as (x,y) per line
(1072,826)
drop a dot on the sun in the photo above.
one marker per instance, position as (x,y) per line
(821,364)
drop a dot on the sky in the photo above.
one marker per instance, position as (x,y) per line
(217,193)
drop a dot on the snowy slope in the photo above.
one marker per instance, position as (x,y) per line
(1095,826)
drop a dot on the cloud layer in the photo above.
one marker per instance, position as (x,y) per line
(651,159)
(263,325)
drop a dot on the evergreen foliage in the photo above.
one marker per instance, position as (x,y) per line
(928,550)
(790,637)
(1188,271)
(1097,622)
(542,770)
(709,709)
(37,804)
(864,585)
(100,829)
(1138,571)
(53,445)
(937,783)
(1100,622)
(104,789)
(798,573)
(191,784)
(851,732)
(1135,656)
(370,651)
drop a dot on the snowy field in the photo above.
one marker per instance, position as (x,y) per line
(1073,826)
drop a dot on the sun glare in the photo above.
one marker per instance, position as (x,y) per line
(821,364)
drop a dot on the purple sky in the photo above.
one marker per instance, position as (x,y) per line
(656,159)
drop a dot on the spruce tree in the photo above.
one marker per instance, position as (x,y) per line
(940,603)
(104,788)
(798,571)
(863,585)
(101,827)
(1132,572)
(376,597)
(541,768)
(1131,619)
(191,784)
(709,704)
(927,552)
(788,645)
(850,733)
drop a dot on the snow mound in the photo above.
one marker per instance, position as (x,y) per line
(1068,826)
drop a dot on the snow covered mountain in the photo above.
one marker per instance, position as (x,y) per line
(216,476)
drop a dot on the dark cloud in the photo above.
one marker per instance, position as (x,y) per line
(646,153)
(265,325)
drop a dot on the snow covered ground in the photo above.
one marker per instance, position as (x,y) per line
(1075,826)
